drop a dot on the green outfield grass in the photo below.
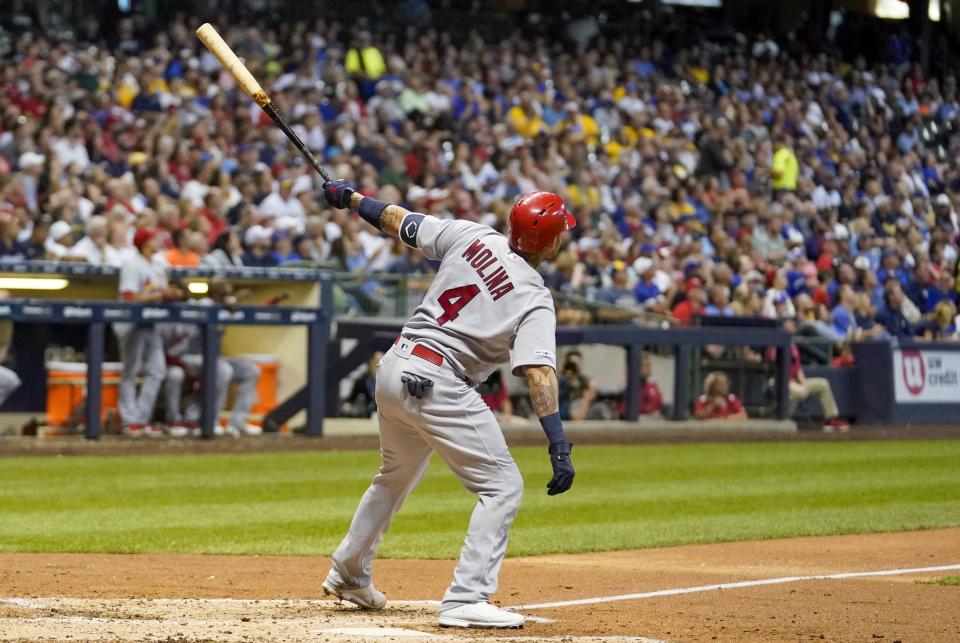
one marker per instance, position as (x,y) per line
(624,497)
(946,580)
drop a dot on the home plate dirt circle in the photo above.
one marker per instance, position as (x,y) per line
(232,620)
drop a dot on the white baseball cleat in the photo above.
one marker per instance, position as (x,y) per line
(480,615)
(177,431)
(367,598)
(245,429)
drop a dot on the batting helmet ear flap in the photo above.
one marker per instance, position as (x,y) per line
(535,221)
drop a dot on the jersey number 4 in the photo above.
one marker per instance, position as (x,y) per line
(454,299)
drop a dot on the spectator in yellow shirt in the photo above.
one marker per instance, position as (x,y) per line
(583,193)
(625,140)
(525,117)
(364,59)
(582,126)
(785,168)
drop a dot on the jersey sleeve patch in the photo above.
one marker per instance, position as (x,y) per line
(409,228)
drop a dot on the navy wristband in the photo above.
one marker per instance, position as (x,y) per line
(553,427)
(370,210)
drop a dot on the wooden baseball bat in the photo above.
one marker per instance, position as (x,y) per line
(218,47)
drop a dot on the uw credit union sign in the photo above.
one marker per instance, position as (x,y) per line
(926,376)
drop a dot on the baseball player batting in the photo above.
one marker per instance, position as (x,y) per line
(486,305)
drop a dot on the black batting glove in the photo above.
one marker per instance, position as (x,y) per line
(417,385)
(563,472)
(338,193)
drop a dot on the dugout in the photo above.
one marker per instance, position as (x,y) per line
(35,344)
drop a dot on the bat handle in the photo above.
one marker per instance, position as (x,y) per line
(304,150)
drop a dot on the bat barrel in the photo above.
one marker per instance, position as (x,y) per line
(212,40)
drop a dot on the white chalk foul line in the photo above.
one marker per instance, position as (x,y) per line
(736,585)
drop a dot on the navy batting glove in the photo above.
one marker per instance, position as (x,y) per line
(338,193)
(417,385)
(563,472)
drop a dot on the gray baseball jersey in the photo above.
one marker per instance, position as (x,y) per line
(139,277)
(486,305)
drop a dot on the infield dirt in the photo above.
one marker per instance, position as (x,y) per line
(128,597)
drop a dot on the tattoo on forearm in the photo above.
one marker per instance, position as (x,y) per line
(390,219)
(544,399)
(543,393)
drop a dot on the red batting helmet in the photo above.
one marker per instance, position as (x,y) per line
(536,220)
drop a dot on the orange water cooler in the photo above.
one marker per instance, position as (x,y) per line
(67,389)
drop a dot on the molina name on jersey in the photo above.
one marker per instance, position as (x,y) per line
(482,260)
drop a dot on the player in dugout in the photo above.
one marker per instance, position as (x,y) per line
(141,349)
(184,357)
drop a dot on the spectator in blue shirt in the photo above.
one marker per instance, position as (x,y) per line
(618,292)
(842,317)
(719,305)
(921,286)
(283,250)
(944,290)
(892,317)
(890,267)
(646,292)
(865,317)
(258,254)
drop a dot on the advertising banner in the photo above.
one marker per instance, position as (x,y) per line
(926,376)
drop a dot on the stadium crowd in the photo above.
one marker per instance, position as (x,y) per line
(730,179)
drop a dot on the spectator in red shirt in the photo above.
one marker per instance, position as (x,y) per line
(692,306)
(213,214)
(651,399)
(717,402)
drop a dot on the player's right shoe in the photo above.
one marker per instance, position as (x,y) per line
(367,598)
(243,429)
(482,615)
(835,425)
(133,430)
(176,430)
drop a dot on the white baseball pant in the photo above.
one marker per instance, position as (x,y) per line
(9,382)
(452,420)
(140,350)
(230,370)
